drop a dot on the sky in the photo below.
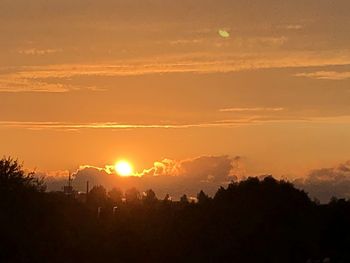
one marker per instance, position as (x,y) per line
(85,83)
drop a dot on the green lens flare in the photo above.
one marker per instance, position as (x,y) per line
(224,33)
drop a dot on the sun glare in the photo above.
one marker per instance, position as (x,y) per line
(123,168)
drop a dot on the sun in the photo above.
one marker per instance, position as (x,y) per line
(123,168)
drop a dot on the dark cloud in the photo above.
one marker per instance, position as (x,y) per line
(325,183)
(206,173)
(168,176)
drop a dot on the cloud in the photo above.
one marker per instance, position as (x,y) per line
(185,41)
(54,179)
(221,123)
(204,168)
(66,126)
(260,42)
(208,173)
(116,126)
(325,183)
(28,82)
(166,176)
(251,109)
(330,75)
(38,52)
(53,78)
(291,27)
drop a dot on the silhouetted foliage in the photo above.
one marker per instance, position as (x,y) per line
(13,178)
(255,220)
(97,196)
(184,199)
(167,198)
(203,198)
(132,196)
(150,197)
(116,195)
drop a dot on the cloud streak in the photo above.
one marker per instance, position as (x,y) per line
(38,52)
(120,126)
(49,78)
(251,109)
(328,75)
(221,123)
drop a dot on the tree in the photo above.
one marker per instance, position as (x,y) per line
(167,198)
(184,199)
(220,194)
(150,197)
(13,178)
(97,196)
(116,195)
(132,195)
(203,198)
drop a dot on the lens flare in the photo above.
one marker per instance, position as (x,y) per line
(224,33)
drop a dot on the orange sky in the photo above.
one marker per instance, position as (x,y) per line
(90,82)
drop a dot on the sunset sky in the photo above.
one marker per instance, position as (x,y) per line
(89,82)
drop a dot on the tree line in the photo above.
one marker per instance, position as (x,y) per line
(255,220)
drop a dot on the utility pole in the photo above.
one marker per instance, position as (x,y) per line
(87,190)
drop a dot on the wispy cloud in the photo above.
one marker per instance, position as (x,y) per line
(38,52)
(330,75)
(117,126)
(220,123)
(291,26)
(50,78)
(250,109)
(28,81)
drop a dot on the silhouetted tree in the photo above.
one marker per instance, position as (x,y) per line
(221,194)
(203,198)
(150,197)
(116,195)
(167,198)
(184,199)
(132,195)
(97,196)
(13,177)
(254,220)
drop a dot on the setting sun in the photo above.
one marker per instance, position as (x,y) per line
(123,168)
